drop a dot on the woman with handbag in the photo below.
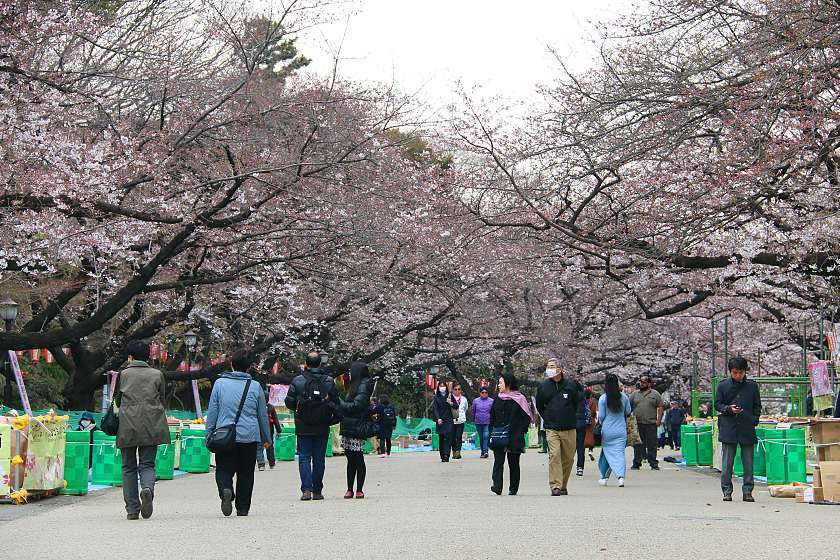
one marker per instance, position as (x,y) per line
(613,410)
(237,406)
(357,425)
(510,417)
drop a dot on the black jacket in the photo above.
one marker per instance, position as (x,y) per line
(557,403)
(297,388)
(509,413)
(738,428)
(356,407)
(441,410)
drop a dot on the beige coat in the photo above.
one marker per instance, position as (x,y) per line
(139,395)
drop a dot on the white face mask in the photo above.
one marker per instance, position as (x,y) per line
(550,372)
(442,390)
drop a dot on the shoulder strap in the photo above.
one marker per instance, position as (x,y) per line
(242,402)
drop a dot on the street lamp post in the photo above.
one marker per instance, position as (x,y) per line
(9,313)
(190,340)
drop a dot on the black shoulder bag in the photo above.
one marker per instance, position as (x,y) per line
(223,438)
(111,420)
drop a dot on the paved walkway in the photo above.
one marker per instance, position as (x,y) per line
(420,508)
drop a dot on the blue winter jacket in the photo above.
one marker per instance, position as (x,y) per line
(224,401)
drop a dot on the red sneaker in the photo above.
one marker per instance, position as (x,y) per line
(360,495)
(348,495)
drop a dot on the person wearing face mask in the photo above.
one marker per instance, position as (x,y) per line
(87,423)
(557,403)
(459,420)
(443,407)
(648,408)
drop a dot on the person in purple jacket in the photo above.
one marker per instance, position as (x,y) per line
(481,413)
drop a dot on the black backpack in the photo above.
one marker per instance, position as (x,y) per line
(389,416)
(314,406)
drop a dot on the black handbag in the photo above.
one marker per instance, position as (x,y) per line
(499,437)
(110,424)
(223,438)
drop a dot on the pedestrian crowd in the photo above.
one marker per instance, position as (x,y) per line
(241,425)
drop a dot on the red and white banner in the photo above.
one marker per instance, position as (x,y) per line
(48,356)
(275,369)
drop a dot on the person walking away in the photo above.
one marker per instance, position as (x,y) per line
(375,410)
(648,408)
(583,420)
(589,440)
(358,417)
(481,406)
(139,395)
(676,418)
(252,431)
(387,423)
(459,420)
(557,403)
(273,425)
(442,408)
(738,402)
(510,411)
(313,398)
(613,410)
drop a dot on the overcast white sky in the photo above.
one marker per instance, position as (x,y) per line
(425,46)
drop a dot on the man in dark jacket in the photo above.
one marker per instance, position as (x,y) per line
(738,402)
(557,403)
(313,398)
(139,395)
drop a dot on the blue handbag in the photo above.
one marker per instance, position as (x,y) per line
(499,437)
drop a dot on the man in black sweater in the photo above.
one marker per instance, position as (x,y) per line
(557,403)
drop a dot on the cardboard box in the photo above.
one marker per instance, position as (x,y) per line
(819,495)
(826,431)
(830,478)
(817,477)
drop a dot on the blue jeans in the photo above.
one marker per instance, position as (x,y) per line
(311,453)
(483,437)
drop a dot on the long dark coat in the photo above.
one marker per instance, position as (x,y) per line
(139,395)
(738,428)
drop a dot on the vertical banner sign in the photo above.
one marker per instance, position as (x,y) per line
(24,398)
(198,412)
(820,385)
(277,394)
(45,455)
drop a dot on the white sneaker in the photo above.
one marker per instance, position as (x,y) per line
(382,456)
(602,481)
(621,482)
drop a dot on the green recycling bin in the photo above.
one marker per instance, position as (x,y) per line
(76,463)
(285,446)
(165,459)
(368,447)
(760,468)
(795,451)
(106,469)
(774,447)
(696,444)
(195,457)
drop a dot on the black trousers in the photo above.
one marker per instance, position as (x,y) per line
(457,437)
(499,467)
(356,469)
(445,445)
(647,450)
(581,452)
(240,461)
(385,440)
